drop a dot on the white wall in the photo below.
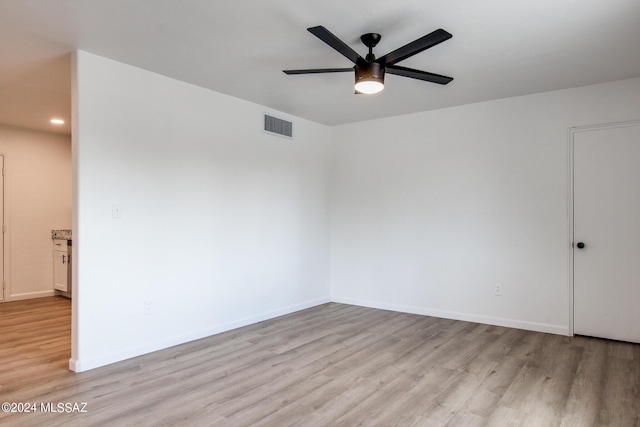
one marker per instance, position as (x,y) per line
(37,197)
(222,225)
(431,210)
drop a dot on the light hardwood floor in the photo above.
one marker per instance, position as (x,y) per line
(333,365)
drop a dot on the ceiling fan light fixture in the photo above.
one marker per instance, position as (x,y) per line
(369,78)
(369,87)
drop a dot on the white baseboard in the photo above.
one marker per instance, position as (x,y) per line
(467,317)
(74,365)
(30,295)
(85,365)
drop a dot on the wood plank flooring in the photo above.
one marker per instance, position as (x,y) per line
(332,365)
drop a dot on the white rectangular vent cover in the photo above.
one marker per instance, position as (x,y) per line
(278,126)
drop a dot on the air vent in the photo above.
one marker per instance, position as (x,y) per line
(278,126)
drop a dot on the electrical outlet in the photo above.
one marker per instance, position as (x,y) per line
(116,211)
(148,307)
(497,290)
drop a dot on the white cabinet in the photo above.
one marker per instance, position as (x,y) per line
(62,265)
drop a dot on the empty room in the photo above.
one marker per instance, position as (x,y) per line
(245,213)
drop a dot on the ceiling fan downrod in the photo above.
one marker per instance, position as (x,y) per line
(370,40)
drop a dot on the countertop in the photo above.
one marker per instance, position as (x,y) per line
(61,234)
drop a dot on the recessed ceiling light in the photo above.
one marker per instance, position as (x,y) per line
(57,121)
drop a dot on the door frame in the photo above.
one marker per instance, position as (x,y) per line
(571,137)
(3,229)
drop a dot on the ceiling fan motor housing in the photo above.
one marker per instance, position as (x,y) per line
(369,71)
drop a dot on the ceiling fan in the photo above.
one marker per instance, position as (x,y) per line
(369,71)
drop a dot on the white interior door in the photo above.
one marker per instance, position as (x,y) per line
(606,191)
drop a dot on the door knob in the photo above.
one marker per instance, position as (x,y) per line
(580,245)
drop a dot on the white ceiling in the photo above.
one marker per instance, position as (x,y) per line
(500,48)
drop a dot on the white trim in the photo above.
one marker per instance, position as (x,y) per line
(571,137)
(74,365)
(570,227)
(602,126)
(30,295)
(467,317)
(3,229)
(6,223)
(85,365)
(75,123)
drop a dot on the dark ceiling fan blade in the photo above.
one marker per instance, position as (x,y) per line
(318,71)
(326,36)
(416,46)
(417,74)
